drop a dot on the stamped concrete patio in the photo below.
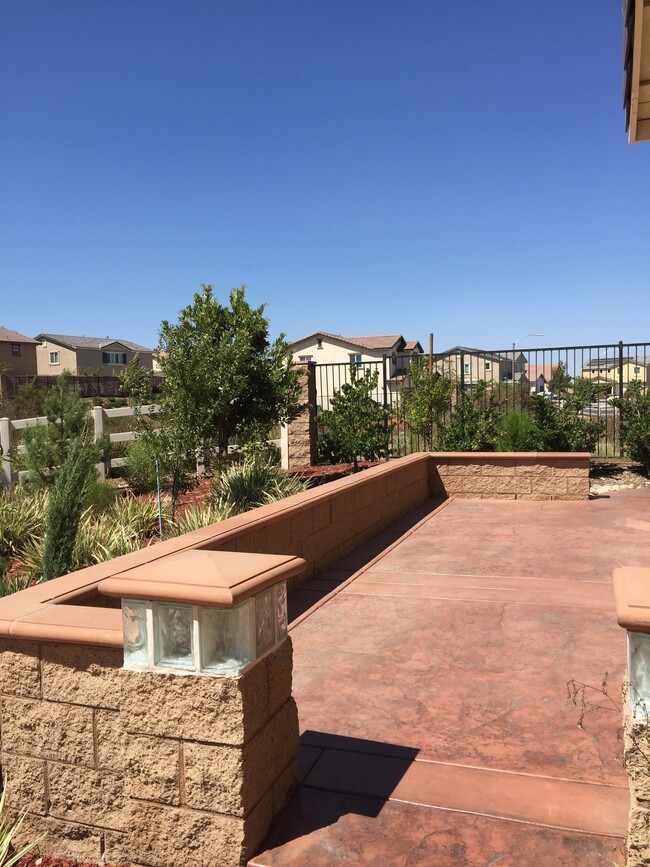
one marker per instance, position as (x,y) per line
(430,672)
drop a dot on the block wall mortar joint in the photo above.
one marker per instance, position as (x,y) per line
(182,791)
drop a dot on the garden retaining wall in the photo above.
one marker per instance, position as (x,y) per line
(148,768)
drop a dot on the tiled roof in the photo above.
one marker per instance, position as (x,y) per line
(73,342)
(9,336)
(375,343)
(534,371)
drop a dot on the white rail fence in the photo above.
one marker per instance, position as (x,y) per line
(99,415)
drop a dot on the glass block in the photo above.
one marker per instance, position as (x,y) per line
(639,663)
(281,607)
(265,615)
(226,638)
(134,627)
(173,635)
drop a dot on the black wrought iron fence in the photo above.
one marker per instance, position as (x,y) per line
(511,376)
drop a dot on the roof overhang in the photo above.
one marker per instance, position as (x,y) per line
(636,66)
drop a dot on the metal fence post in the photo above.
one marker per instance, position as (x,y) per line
(620,369)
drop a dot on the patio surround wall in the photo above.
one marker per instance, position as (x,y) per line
(302,433)
(637,750)
(152,769)
(510,475)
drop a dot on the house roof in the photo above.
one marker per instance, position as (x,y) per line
(72,342)
(9,336)
(374,343)
(493,356)
(608,363)
(534,371)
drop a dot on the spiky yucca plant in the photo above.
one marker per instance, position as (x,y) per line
(252,483)
(197,517)
(8,830)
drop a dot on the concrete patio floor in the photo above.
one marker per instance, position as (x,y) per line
(431,689)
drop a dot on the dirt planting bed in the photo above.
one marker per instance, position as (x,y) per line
(35,860)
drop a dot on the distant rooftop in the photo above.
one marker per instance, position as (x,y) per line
(9,336)
(72,342)
(375,343)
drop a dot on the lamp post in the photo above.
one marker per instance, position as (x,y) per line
(514,343)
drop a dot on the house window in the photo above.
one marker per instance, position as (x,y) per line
(637,371)
(466,368)
(355,358)
(319,343)
(15,350)
(54,357)
(305,357)
(488,365)
(114,357)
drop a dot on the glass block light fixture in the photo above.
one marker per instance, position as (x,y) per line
(203,612)
(632,591)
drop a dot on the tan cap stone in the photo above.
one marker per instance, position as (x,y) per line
(632,590)
(198,577)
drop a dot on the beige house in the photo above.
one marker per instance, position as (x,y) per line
(324,348)
(475,365)
(96,356)
(636,65)
(17,353)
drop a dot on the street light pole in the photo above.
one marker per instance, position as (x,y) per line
(514,343)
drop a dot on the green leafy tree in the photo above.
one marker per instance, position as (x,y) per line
(426,402)
(48,445)
(160,451)
(65,505)
(560,381)
(223,378)
(356,427)
(634,411)
(517,432)
(562,428)
(474,421)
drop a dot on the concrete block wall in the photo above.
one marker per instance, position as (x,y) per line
(510,475)
(302,434)
(151,769)
(637,764)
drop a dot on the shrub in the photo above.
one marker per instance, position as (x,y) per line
(100,496)
(65,507)
(473,424)
(8,830)
(634,412)
(197,517)
(517,433)
(252,483)
(22,515)
(427,402)
(356,427)
(562,428)
(141,467)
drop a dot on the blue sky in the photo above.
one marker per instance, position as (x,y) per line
(365,167)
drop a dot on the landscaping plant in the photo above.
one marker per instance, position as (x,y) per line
(356,427)
(222,376)
(634,411)
(473,423)
(426,403)
(9,856)
(250,484)
(65,506)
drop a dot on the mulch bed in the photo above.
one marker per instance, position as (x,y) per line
(35,860)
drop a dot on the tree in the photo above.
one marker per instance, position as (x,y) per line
(634,411)
(222,376)
(474,422)
(427,401)
(48,445)
(356,427)
(65,506)
(560,381)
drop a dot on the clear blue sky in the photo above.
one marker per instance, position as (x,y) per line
(364,166)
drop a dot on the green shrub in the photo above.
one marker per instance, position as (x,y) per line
(65,507)
(197,517)
(634,412)
(517,433)
(141,467)
(100,496)
(356,427)
(22,516)
(473,425)
(562,428)
(252,483)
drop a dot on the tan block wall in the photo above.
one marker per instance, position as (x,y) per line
(334,519)
(510,476)
(147,768)
(302,434)
(637,764)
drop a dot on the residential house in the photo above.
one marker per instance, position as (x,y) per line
(605,371)
(97,356)
(324,348)
(636,65)
(475,365)
(17,353)
(539,376)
